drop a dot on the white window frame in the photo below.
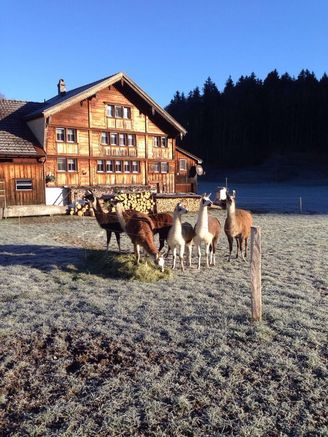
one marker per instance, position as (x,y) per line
(135,167)
(109,166)
(166,165)
(71,165)
(62,163)
(100,166)
(118,164)
(71,133)
(60,134)
(104,138)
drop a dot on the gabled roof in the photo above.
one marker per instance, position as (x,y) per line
(185,152)
(60,102)
(16,139)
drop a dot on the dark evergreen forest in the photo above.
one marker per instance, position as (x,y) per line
(252,120)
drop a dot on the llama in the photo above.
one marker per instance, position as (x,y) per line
(162,223)
(106,220)
(207,229)
(237,225)
(139,227)
(180,235)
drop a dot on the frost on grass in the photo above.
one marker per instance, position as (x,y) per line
(85,350)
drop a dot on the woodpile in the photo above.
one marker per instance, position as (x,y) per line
(141,202)
(168,203)
(81,209)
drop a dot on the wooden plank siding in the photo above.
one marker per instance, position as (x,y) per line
(28,169)
(184,182)
(89,119)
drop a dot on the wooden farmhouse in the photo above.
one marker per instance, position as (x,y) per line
(107,133)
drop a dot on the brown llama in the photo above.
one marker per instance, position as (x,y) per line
(106,220)
(139,227)
(207,230)
(237,225)
(162,223)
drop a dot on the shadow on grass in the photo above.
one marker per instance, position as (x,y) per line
(78,260)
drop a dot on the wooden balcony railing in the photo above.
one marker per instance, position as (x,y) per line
(121,151)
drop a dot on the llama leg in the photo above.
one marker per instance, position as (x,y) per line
(109,235)
(238,246)
(189,246)
(207,249)
(245,247)
(213,250)
(174,257)
(137,252)
(199,254)
(118,240)
(182,248)
(230,241)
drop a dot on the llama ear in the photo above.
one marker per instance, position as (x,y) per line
(209,195)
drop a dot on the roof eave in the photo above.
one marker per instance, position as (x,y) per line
(107,82)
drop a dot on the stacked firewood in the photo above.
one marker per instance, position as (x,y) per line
(80,208)
(167,204)
(141,202)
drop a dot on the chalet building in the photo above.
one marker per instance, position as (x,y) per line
(107,133)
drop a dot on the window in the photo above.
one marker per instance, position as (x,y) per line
(122,139)
(61,164)
(164,167)
(159,141)
(23,184)
(71,164)
(131,140)
(113,139)
(100,166)
(118,166)
(104,139)
(126,166)
(66,164)
(159,167)
(66,135)
(60,134)
(71,135)
(118,111)
(109,167)
(135,166)
(182,165)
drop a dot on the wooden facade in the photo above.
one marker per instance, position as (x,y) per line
(22,182)
(105,133)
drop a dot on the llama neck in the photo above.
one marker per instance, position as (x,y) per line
(231,210)
(177,223)
(202,220)
(119,212)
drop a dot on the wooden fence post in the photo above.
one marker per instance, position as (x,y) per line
(256,288)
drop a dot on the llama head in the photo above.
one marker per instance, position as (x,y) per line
(180,209)
(205,200)
(88,195)
(160,262)
(231,198)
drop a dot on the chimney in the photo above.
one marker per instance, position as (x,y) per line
(61,87)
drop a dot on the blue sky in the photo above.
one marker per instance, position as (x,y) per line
(164,46)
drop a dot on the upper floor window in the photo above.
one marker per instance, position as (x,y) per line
(66,135)
(159,141)
(182,165)
(23,184)
(100,166)
(104,139)
(67,164)
(118,111)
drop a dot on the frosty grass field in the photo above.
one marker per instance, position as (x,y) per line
(83,353)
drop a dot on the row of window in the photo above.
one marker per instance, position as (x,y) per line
(69,135)
(118,111)
(104,166)
(116,139)
(117,166)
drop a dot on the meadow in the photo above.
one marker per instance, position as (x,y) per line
(85,351)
